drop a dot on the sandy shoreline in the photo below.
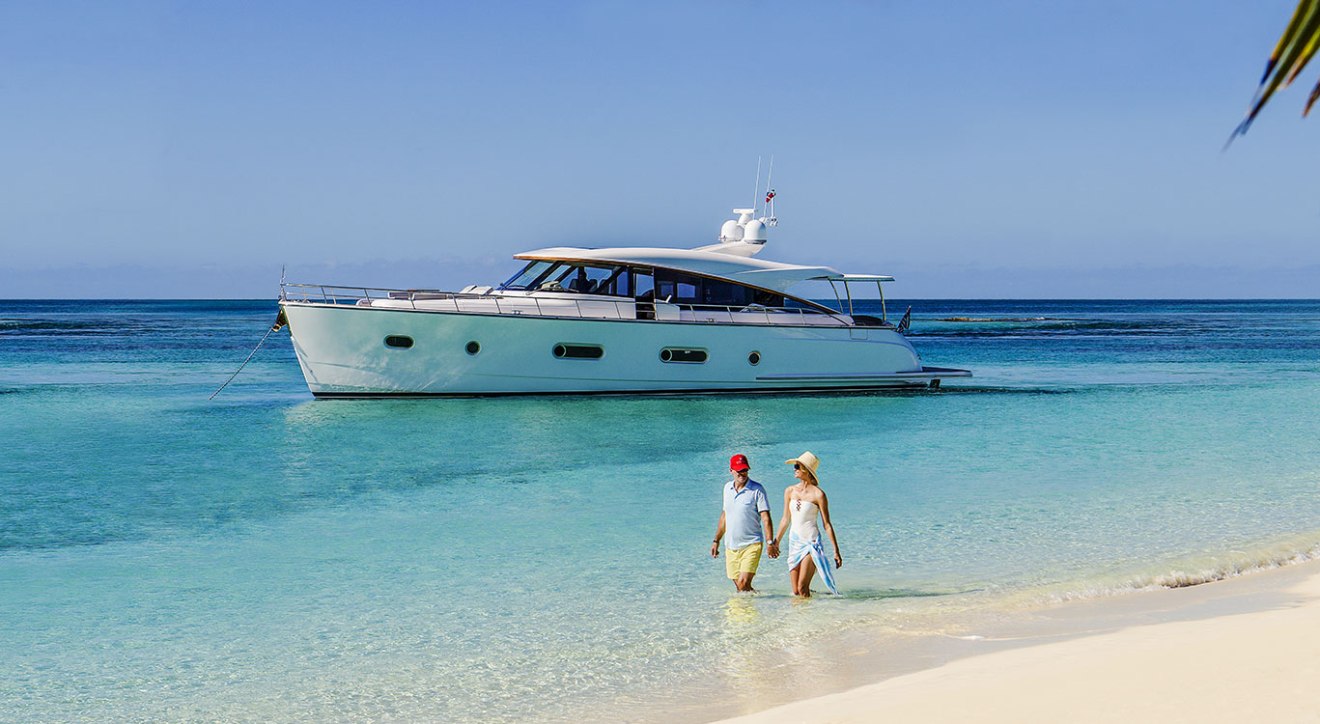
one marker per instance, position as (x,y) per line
(1243,649)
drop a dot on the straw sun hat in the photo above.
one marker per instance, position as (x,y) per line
(808,461)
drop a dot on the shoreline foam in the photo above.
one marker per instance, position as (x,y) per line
(1190,653)
(910,635)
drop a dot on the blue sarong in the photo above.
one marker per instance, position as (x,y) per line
(799,549)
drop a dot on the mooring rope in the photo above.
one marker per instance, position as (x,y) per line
(279,322)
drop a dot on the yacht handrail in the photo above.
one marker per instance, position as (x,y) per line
(350,296)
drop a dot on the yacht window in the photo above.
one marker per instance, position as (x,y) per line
(644,288)
(527,277)
(617,283)
(725,294)
(681,355)
(565,350)
(677,288)
(577,281)
(398,341)
(562,277)
(586,279)
(643,283)
(791,303)
(688,289)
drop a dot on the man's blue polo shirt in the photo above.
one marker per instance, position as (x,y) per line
(742,514)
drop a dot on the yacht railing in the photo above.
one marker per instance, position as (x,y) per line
(434,300)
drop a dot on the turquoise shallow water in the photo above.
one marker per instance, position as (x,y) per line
(265,556)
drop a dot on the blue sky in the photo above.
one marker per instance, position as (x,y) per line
(972,149)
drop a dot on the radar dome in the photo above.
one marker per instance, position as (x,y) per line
(731,231)
(754,231)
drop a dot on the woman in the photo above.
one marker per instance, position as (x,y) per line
(802,504)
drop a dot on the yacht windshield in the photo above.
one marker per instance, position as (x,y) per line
(563,276)
(528,277)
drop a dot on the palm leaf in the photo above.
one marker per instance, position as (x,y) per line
(1293,24)
(1296,47)
(1315,95)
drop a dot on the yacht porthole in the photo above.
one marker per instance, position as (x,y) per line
(473,347)
(564,350)
(754,359)
(679,354)
(398,341)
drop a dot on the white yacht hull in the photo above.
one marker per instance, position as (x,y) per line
(343,353)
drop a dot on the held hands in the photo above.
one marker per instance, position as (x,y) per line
(773,550)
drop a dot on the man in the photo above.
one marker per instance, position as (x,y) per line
(745,516)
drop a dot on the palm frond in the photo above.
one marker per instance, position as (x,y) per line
(1296,47)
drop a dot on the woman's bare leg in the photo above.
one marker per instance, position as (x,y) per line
(805,573)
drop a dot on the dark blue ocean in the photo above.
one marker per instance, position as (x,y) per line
(264,556)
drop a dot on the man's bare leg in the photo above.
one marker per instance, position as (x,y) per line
(744,582)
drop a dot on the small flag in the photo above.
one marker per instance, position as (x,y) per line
(770,196)
(906,322)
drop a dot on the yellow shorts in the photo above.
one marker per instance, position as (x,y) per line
(742,560)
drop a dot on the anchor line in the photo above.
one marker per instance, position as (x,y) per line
(279,322)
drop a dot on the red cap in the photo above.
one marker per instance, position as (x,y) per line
(739,462)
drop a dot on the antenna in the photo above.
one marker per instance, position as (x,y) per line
(756,190)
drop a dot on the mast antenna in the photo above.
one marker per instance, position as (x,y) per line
(756,190)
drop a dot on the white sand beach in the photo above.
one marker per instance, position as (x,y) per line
(1240,650)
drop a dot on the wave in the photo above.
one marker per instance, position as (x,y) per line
(962,389)
(999,319)
(1056,328)
(876,594)
(1196,574)
(60,328)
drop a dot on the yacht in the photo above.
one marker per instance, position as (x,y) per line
(712,319)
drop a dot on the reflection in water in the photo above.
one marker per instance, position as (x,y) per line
(740,611)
